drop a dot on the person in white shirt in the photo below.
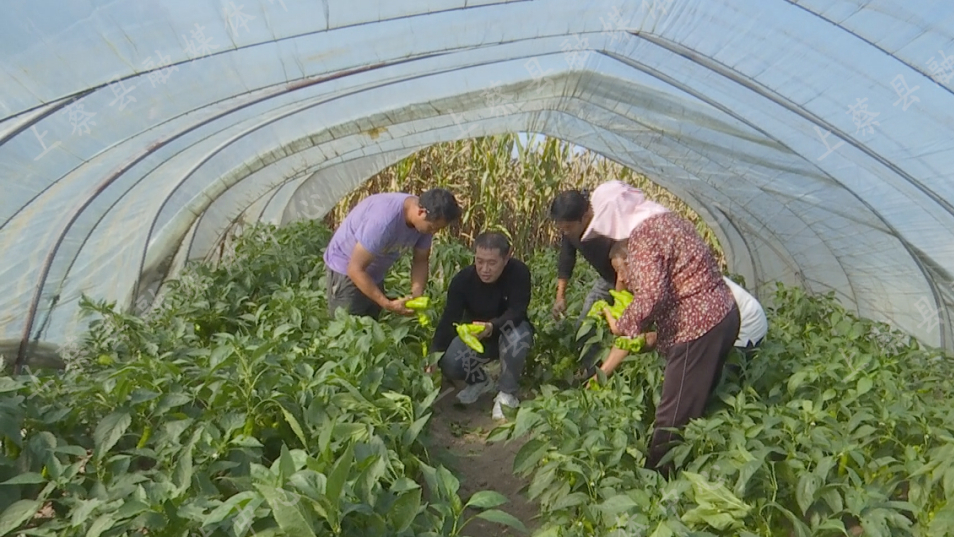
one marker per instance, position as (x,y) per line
(754,324)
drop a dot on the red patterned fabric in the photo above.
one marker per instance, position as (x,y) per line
(675,282)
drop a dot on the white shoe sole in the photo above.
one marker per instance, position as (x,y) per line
(498,413)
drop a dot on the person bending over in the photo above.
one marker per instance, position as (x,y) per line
(753,321)
(675,283)
(493,292)
(571,213)
(372,237)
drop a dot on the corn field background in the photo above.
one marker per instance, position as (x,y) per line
(497,190)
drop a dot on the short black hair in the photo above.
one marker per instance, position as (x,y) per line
(440,205)
(492,240)
(569,206)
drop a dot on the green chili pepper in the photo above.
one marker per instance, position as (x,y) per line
(622,297)
(466,334)
(596,312)
(146,433)
(632,345)
(621,301)
(418,304)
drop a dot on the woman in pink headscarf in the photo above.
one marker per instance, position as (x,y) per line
(676,283)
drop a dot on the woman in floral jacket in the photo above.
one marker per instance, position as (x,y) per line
(677,284)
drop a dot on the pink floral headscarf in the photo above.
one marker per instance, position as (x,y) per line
(617,209)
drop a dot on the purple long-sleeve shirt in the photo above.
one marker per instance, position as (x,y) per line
(378,223)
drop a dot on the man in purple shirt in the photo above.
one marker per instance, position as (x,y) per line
(372,237)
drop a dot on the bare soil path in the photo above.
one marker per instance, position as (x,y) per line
(457,438)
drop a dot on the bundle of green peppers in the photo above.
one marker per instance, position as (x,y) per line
(467,334)
(621,300)
(630,344)
(420,304)
(596,311)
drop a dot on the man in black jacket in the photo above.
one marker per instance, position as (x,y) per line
(494,292)
(571,213)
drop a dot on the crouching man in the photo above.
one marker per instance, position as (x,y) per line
(493,292)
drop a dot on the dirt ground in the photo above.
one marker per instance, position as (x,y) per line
(457,437)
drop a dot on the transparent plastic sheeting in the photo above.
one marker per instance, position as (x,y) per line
(816,137)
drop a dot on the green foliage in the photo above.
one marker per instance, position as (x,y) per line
(240,406)
(237,407)
(839,422)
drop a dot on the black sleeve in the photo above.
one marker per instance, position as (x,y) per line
(453,313)
(518,292)
(567,260)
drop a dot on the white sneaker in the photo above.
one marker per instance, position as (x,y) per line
(503,399)
(472,392)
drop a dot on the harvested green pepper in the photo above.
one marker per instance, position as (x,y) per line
(596,312)
(622,297)
(420,304)
(466,334)
(621,300)
(632,345)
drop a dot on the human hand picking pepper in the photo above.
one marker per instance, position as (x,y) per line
(468,332)
(486,332)
(420,305)
(631,345)
(596,310)
(611,321)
